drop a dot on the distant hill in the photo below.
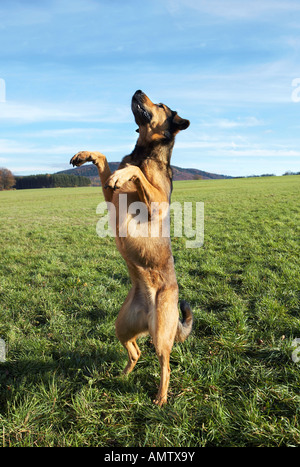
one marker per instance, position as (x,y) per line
(90,171)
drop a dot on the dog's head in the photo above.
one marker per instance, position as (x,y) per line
(156,122)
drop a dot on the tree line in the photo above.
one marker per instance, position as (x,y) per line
(50,181)
(8,181)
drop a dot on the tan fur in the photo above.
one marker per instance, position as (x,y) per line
(145,175)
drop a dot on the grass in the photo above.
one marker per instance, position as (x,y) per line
(233,382)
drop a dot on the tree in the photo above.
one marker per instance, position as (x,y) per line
(7,180)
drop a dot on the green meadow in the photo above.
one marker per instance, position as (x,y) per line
(233,382)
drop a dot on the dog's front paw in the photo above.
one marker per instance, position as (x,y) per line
(120,177)
(80,158)
(112,182)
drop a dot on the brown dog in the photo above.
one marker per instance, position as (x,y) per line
(146,176)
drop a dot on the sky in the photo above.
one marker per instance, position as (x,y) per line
(68,70)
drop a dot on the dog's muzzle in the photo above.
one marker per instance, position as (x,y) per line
(142,116)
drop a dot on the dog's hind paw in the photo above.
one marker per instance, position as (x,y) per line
(160,401)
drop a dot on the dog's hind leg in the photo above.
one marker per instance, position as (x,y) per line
(133,355)
(131,323)
(163,331)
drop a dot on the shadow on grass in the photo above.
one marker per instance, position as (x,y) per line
(70,371)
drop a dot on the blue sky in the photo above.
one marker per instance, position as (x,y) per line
(70,68)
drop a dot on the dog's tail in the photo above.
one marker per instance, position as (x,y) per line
(185,326)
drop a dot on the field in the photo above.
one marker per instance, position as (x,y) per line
(233,382)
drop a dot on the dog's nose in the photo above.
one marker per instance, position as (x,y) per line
(138,94)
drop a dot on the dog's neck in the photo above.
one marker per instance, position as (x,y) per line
(156,150)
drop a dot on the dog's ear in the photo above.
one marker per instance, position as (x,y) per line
(180,123)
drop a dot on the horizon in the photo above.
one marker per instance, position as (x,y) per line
(69,70)
(226,177)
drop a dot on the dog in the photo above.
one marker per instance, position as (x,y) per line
(151,306)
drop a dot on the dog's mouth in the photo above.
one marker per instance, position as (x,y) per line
(141,114)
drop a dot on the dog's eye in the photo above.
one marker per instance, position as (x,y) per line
(161,106)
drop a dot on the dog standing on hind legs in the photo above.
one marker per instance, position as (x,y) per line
(145,175)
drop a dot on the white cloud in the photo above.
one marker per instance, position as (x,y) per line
(229,124)
(57,133)
(20,14)
(255,83)
(215,145)
(235,9)
(260,152)
(8,146)
(33,113)
(232,149)
(238,146)
(76,112)
(13,147)
(31,169)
